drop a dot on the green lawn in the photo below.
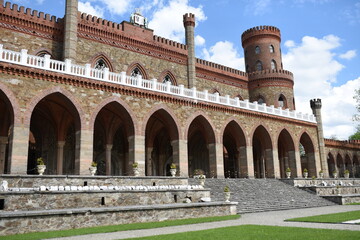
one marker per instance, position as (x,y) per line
(329,218)
(115,228)
(356,203)
(254,232)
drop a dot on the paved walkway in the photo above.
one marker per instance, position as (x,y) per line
(274,218)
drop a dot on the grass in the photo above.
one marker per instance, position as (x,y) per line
(115,228)
(329,218)
(355,203)
(256,232)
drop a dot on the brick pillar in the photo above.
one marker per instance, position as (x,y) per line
(70,31)
(137,152)
(180,156)
(149,161)
(19,150)
(276,164)
(108,149)
(84,147)
(219,160)
(3,144)
(189,24)
(60,157)
(250,162)
(298,163)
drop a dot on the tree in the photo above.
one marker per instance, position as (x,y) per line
(356,117)
(356,136)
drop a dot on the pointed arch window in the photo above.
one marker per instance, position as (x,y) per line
(168,78)
(136,72)
(259,66)
(271,48)
(282,101)
(100,64)
(257,50)
(273,65)
(261,100)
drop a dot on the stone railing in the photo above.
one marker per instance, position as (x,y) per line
(67,67)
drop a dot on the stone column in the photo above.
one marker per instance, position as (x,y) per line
(3,144)
(276,165)
(60,157)
(219,159)
(19,150)
(149,164)
(316,108)
(180,156)
(137,153)
(189,24)
(70,31)
(250,162)
(108,149)
(298,163)
(85,149)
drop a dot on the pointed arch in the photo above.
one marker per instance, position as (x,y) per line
(340,164)
(308,155)
(104,58)
(331,163)
(281,101)
(286,153)
(167,75)
(356,166)
(139,67)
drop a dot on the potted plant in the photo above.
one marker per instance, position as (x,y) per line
(227,193)
(40,165)
(288,172)
(93,168)
(198,172)
(202,178)
(305,173)
(173,169)
(335,174)
(346,173)
(321,173)
(135,166)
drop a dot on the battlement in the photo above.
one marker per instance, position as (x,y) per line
(189,19)
(169,42)
(315,103)
(28,13)
(350,144)
(220,67)
(260,30)
(271,74)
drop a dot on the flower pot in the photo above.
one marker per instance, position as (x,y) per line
(92,170)
(41,169)
(288,174)
(346,175)
(335,175)
(202,181)
(227,196)
(136,172)
(321,175)
(173,172)
(306,174)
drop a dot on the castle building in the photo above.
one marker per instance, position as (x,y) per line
(79,89)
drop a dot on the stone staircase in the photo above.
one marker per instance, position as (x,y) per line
(257,195)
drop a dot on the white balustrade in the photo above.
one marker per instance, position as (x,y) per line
(22,58)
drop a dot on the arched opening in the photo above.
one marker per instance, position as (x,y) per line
(112,128)
(273,64)
(201,147)
(168,77)
(6,133)
(259,66)
(356,167)
(100,64)
(348,165)
(340,164)
(260,100)
(160,134)
(282,101)
(136,70)
(257,50)
(286,151)
(54,135)
(234,147)
(307,154)
(262,154)
(271,48)
(331,164)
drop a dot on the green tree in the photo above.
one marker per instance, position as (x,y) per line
(356,136)
(356,117)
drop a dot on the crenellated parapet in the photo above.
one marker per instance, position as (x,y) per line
(269,31)
(345,144)
(315,103)
(221,68)
(189,19)
(275,77)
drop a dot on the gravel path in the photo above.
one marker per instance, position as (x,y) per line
(274,218)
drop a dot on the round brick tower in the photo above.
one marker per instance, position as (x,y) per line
(268,82)
(189,24)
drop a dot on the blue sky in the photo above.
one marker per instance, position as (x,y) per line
(320,41)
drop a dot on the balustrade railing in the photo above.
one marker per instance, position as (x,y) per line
(67,67)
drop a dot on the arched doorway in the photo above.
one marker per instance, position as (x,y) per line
(112,128)
(262,154)
(331,164)
(286,151)
(54,128)
(6,123)
(201,147)
(340,164)
(160,134)
(356,166)
(234,147)
(307,154)
(348,164)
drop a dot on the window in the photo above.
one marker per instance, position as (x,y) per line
(167,78)
(281,102)
(247,68)
(259,66)
(100,64)
(273,64)
(261,100)
(257,49)
(136,72)
(271,48)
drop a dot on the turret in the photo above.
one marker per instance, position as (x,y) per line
(268,82)
(189,24)
(70,31)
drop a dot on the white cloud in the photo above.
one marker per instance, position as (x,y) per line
(199,40)
(117,7)
(224,53)
(353,14)
(348,55)
(86,7)
(167,21)
(40,1)
(315,69)
(289,43)
(258,7)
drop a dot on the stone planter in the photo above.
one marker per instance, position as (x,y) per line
(92,170)
(346,175)
(136,172)
(335,175)
(288,174)
(321,175)
(173,172)
(202,181)
(41,169)
(227,196)
(306,174)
